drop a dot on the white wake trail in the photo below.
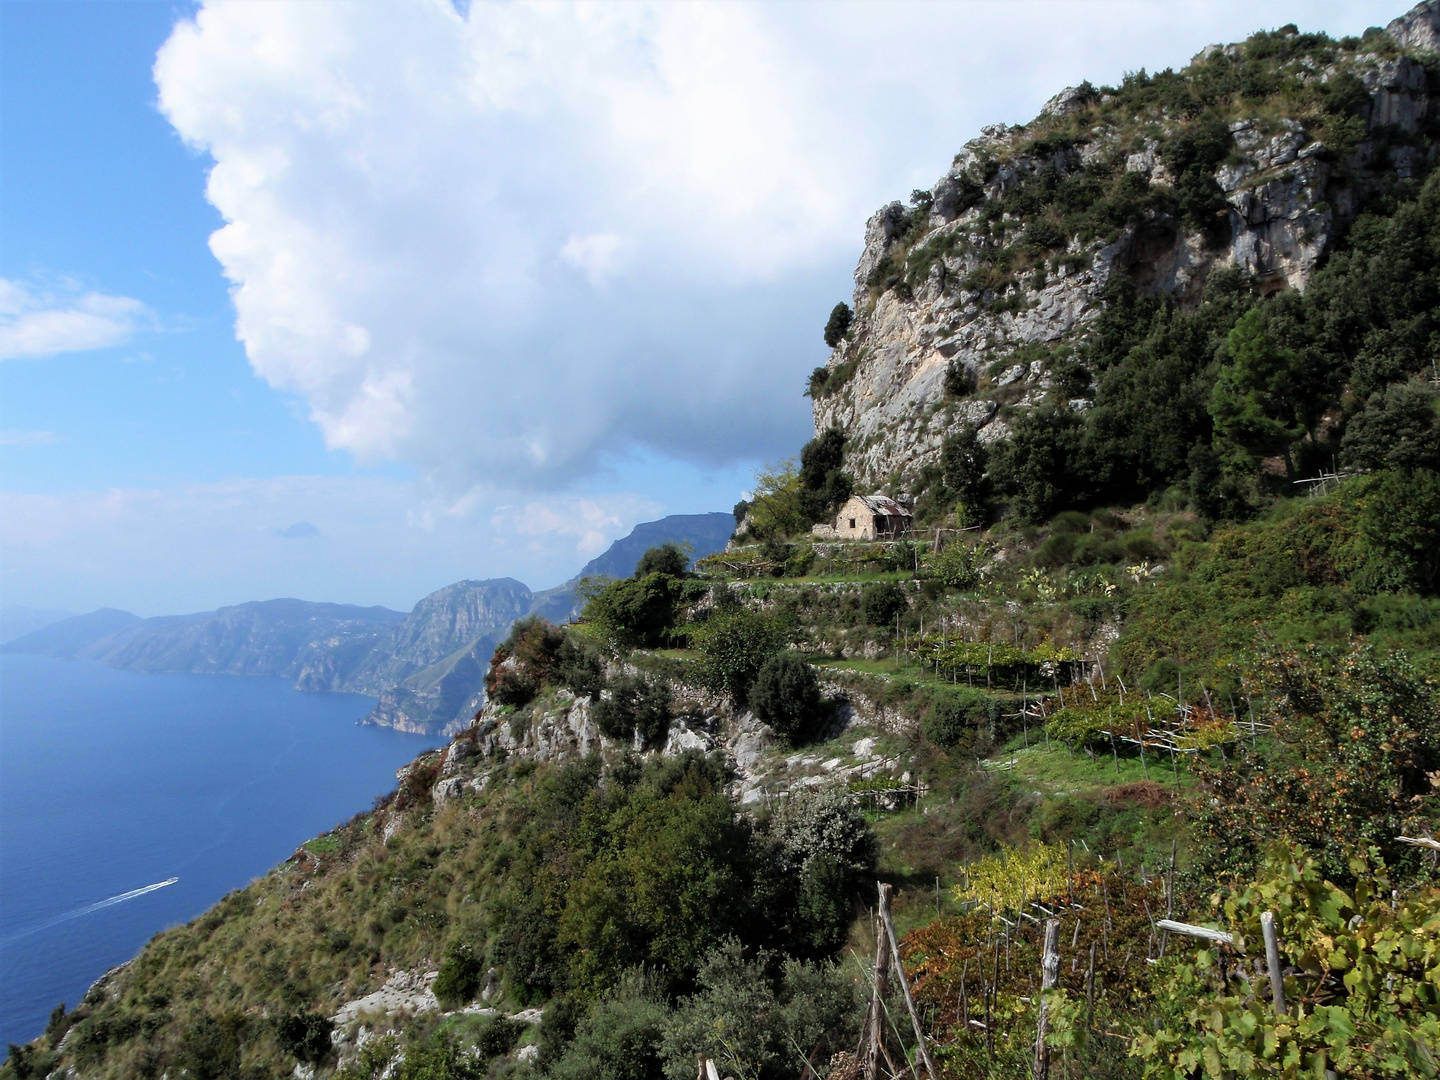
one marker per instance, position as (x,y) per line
(109,901)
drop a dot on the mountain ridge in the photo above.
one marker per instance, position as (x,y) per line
(425,666)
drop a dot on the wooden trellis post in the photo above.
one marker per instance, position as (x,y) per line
(1049,976)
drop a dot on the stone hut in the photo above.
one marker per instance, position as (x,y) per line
(868,517)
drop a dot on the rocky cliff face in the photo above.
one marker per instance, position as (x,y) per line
(448,621)
(993,264)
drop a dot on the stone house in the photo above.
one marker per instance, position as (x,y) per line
(868,517)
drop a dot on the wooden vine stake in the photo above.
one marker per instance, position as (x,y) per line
(1272,961)
(875,1021)
(904,982)
(1049,976)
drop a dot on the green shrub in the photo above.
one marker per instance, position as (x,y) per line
(838,325)
(580,669)
(959,380)
(670,558)
(619,1039)
(750,1013)
(636,611)
(497,1037)
(958,566)
(881,601)
(460,975)
(1057,550)
(636,704)
(533,645)
(786,695)
(734,645)
(305,1035)
(953,717)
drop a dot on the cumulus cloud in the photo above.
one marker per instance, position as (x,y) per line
(366,540)
(36,324)
(516,242)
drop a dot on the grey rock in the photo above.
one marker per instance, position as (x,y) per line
(1418,28)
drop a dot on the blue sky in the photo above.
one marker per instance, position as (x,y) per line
(469,295)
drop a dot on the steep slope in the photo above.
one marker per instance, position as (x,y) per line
(1255,158)
(17,622)
(71,636)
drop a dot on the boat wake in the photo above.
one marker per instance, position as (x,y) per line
(109,901)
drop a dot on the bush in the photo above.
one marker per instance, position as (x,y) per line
(668,558)
(812,822)
(460,975)
(881,601)
(619,1039)
(958,566)
(635,611)
(786,695)
(635,704)
(734,646)
(305,1035)
(579,669)
(838,325)
(954,717)
(1402,519)
(524,661)
(749,1021)
(498,1037)
(959,380)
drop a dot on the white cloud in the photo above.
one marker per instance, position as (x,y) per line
(37,324)
(596,255)
(28,438)
(366,540)
(409,194)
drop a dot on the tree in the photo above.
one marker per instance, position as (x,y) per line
(778,506)
(734,645)
(668,558)
(635,611)
(786,695)
(1036,467)
(1402,518)
(824,486)
(963,460)
(881,601)
(635,704)
(1258,402)
(838,325)
(524,661)
(1398,429)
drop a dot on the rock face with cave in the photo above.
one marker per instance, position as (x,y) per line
(988,271)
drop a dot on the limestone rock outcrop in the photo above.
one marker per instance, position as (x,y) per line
(928,293)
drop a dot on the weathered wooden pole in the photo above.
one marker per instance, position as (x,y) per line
(1272,961)
(875,1022)
(904,982)
(1049,976)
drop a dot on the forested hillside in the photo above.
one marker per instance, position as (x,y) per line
(1140,721)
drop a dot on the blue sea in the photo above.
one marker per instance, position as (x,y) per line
(112,782)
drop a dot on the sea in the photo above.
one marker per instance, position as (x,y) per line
(132,802)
